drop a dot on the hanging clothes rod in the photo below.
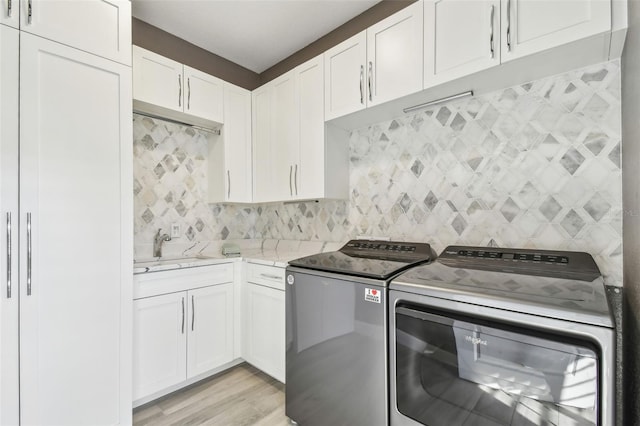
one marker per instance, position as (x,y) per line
(169,120)
(438,101)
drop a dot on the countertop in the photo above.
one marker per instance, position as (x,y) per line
(270,253)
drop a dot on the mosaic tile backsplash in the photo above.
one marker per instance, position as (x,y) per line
(170,180)
(536,165)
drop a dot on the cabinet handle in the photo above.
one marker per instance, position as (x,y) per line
(229,185)
(8,255)
(491,32)
(362,84)
(179,90)
(193,312)
(29,12)
(182,316)
(509,25)
(295,179)
(271,277)
(290,185)
(9,8)
(370,83)
(188,93)
(29,257)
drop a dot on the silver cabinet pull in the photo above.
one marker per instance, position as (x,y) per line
(290,184)
(271,277)
(491,32)
(295,179)
(188,93)
(509,25)
(9,8)
(182,316)
(362,84)
(29,251)
(228,184)
(193,312)
(8,255)
(370,78)
(29,12)
(179,90)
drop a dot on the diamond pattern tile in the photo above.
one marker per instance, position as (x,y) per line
(536,165)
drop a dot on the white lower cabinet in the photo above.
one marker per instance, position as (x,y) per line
(159,349)
(210,328)
(181,336)
(264,319)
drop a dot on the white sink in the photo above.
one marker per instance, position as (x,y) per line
(167,260)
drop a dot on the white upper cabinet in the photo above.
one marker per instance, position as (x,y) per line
(285,142)
(157,79)
(203,94)
(10,13)
(164,87)
(460,37)
(102,27)
(345,76)
(377,65)
(395,55)
(230,158)
(275,139)
(309,179)
(297,156)
(530,26)
(263,187)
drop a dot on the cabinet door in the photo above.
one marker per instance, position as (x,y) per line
(101,27)
(159,343)
(9,290)
(237,144)
(530,26)
(10,13)
(210,323)
(157,80)
(345,74)
(395,55)
(203,95)
(265,329)
(310,176)
(460,37)
(263,185)
(75,255)
(285,140)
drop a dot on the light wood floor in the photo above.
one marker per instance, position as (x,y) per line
(238,397)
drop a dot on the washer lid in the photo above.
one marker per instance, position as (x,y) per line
(369,258)
(562,285)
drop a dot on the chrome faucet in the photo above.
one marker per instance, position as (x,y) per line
(157,242)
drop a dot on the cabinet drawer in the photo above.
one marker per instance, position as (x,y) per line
(270,276)
(155,283)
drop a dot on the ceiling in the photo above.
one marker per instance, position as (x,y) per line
(256,34)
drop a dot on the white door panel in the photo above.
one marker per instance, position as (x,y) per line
(102,27)
(72,137)
(9,233)
(210,324)
(530,26)
(461,37)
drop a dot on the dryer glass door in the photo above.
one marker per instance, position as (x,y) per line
(455,370)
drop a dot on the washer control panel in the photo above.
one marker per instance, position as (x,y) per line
(528,257)
(531,261)
(388,250)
